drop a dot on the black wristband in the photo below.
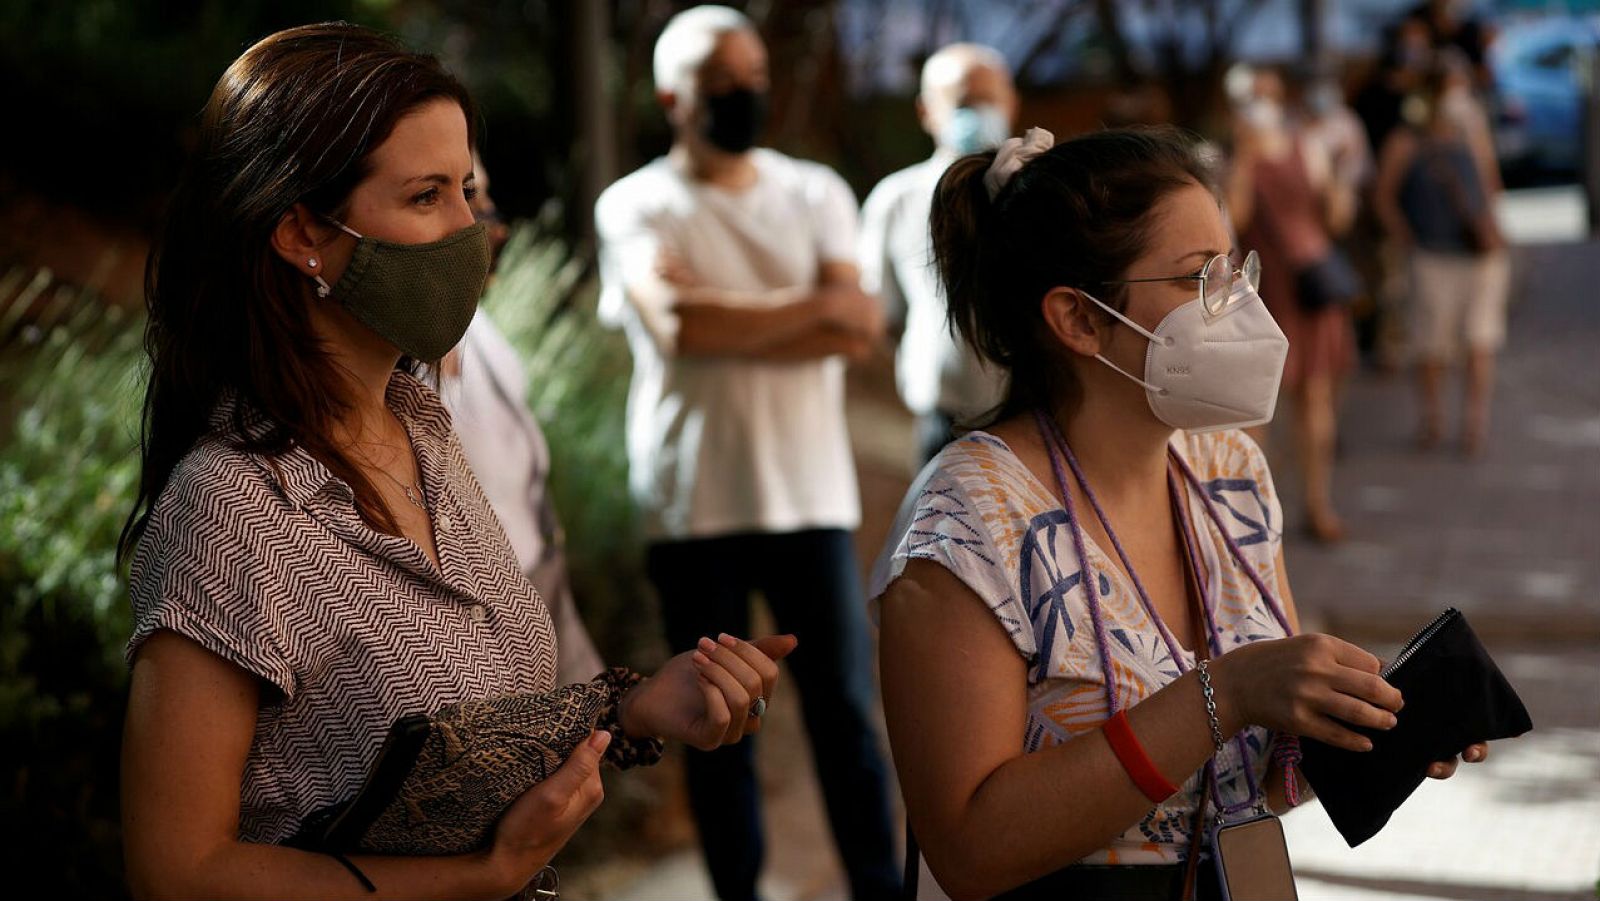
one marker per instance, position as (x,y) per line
(354,871)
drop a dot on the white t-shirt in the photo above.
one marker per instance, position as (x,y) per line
(935,369)
(718,445)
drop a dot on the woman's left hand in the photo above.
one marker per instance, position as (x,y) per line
(1444,769)
(705,698)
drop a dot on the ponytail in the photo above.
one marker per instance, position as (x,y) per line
(962,213)
(1075,216)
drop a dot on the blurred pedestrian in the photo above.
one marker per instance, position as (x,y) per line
(1452,26)
(1086,616)
(1288,205)
(1402,64)
(312,557)
(732,269)
(483,385)
(967,104)
(1438,180)
(1330,123)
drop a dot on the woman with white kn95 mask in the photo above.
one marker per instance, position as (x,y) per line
(1092,669)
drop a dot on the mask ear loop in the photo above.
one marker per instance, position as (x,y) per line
(1154,389)
(323,290)
(344,228)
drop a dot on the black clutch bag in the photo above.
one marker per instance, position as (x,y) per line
(1454,696)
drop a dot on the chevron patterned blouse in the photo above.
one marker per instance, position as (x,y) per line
(266,563)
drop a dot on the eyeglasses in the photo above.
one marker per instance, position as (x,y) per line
(1218,280)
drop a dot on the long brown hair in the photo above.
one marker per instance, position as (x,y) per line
(293,120)
(1076,216)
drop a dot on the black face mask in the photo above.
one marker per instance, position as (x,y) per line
(734,120)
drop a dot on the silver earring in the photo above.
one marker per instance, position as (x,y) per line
(322,286)
(312,262)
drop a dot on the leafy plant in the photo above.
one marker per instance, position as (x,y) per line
(68,471)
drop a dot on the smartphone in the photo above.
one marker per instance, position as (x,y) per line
(1253,860)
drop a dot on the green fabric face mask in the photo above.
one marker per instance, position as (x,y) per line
(418,297)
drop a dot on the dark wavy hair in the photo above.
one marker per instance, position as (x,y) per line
(1077,215)
(295,119)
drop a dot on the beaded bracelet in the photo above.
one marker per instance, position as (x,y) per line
(624,752)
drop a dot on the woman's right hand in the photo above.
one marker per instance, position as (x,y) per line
(540,822)
(1309,685)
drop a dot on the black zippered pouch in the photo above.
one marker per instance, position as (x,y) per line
(1454,696)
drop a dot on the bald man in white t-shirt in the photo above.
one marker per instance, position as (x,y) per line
(732,270)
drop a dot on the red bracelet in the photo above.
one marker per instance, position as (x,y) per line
(1133,759)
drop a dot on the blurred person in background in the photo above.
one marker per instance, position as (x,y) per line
(967,104)
(1288,204)
(312,557)
(1438,181)
(732,269)
(1402,65)
(1329,122)
(483,385)
(1452,26)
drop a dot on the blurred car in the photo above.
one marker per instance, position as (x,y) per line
(1538,70)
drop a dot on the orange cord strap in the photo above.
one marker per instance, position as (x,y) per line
(1131,754)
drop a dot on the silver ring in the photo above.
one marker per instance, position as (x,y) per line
(758,708)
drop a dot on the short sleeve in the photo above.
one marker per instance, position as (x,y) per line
(630,243)
(833,215)
(938,522)
(200,570)
(1255,463)
(1234,475)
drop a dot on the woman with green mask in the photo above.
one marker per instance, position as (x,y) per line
(312,557)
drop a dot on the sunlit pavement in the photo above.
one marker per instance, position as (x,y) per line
(1523,825)
(1512,538)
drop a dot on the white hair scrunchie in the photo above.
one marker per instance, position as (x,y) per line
(1013,155)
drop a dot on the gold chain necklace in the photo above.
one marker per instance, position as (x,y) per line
(412,491)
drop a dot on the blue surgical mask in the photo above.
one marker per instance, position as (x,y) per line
(973,128)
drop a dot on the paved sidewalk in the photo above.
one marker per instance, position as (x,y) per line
(1511,538)
(1522,826)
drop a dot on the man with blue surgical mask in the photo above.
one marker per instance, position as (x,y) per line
(967,104)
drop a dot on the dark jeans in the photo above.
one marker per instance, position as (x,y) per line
(810,582)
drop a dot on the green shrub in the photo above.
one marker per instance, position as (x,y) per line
(68,470)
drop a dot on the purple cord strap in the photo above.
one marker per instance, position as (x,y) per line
(1287,749)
